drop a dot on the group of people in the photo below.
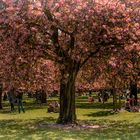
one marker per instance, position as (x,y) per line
(15,97)
(102,97)
(53,107)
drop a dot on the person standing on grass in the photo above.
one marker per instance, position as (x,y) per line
(127,105)
(19,95)
(5,97)
(11,98)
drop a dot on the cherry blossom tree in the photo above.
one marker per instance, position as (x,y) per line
(68,32)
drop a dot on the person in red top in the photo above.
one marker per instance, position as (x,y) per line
(132,101)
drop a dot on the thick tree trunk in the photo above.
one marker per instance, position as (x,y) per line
(43,96)
(133,92)
(67,113)
(0,96)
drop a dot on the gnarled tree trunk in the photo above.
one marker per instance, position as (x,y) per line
(67,97)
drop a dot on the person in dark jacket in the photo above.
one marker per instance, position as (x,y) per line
(19,95)
(5,97)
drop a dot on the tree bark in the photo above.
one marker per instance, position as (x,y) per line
(67,113)
(43,96)
(114,100)
(133,92)
(0,96)
(119,102)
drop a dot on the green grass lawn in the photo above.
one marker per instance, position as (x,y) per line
(35,123)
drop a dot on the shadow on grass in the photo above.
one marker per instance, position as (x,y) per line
(82,104)
(13,129)
(87,105)
(27,106)
(101,114)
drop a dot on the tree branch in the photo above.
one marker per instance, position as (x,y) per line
(89,56)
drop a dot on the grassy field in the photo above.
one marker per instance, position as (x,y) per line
(35,123)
